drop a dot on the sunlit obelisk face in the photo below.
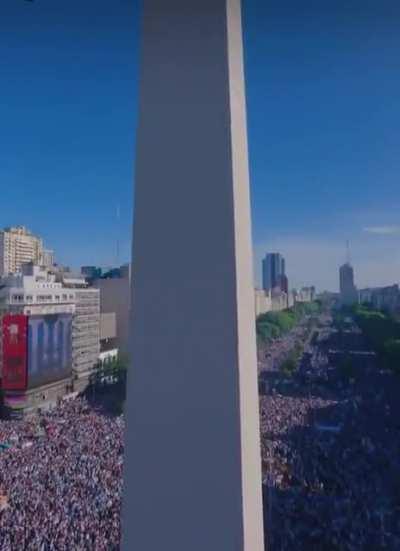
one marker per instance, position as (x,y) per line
(192,458)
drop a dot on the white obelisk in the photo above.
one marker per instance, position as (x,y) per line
(192,457)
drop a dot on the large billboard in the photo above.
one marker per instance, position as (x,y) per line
(14,372)
(49,348)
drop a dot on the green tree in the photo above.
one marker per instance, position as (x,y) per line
(392,354)
(289,365)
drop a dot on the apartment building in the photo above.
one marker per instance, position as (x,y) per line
(17,247)
(47,259)
(85,327)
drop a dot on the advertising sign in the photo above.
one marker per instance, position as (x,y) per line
(14,374)
(15,401)
(49,348)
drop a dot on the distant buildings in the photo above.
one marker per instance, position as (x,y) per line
(348,291)
(382,298)
(117,273)
(305,294)
(263,301)
(275,294)
(328,299)
(17,247)
(47,258)
(91,272)
(268,301)
(283,284)
(115,297)
(273,273)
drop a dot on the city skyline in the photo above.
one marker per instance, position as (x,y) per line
(322,133)
(374,261)
(298,280)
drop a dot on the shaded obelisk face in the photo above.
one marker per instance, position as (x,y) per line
(192,458)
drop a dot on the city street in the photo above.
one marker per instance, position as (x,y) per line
(330,447)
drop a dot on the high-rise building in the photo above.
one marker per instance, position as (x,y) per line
(18,246)
(284,283)
(273,271)
(348,291)
(47,258)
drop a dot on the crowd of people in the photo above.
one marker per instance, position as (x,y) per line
(272,354)
(61,479)
(331,453)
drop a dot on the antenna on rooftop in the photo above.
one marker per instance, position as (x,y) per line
(118,213)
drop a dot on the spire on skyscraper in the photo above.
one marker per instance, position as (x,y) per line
(347,252)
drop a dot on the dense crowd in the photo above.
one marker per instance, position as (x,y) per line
(331,466)
(272,355)
(62,480)
(330,451)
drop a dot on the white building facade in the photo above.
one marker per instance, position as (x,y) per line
(267,301)
(263,302)
(47,258)
(34,292)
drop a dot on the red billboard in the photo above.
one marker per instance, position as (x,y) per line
(15,330)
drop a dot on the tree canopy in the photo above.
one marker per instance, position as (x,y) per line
(272,325)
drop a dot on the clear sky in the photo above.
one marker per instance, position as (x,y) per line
(323,89)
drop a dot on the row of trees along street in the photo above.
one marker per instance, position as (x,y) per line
(380,329)
(273,325)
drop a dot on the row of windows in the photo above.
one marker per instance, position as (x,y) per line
(41,298)
(82,331)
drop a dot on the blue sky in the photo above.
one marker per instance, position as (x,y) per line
(323,116)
